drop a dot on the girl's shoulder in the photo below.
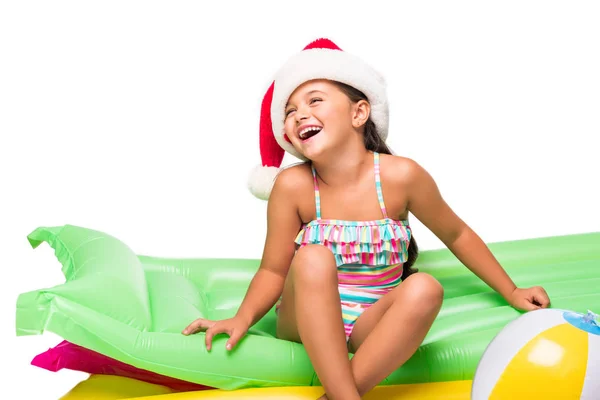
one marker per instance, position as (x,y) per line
(294,179)
(295,175)
(293,191)
(398,169)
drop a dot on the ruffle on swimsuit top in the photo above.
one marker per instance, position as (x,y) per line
(380,242)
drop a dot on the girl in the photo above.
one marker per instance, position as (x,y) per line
(339,247)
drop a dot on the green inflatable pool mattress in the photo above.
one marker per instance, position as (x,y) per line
(133,308)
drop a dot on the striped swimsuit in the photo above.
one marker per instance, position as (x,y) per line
(369,254)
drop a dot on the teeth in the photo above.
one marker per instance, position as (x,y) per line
(305,131)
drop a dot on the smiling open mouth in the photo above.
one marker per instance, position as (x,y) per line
(309,132)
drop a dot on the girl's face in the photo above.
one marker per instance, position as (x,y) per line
(318,116)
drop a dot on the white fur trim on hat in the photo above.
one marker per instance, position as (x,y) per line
(261,181)
(334,65)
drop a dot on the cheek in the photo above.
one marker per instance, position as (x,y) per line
(334,118)
(288,128)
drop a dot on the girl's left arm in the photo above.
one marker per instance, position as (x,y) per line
(426,204)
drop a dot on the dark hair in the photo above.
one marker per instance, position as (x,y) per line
(373,142)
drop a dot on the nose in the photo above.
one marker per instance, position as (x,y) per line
(301,114)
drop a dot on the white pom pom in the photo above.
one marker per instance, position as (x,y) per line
(261,181)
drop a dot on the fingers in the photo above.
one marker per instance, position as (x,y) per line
(208,336)
(542,297)
(234,337)
(197,326)
(235,334)
(230,327)
(215,330)
(530,306)
(535,299)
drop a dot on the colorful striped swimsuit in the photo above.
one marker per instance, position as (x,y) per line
(369,254)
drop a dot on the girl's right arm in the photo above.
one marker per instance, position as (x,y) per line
(283,224)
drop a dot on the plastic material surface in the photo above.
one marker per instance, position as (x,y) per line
(107,387)
(458,390)
(133,308)
(103,387)
(67,355)
(544,354)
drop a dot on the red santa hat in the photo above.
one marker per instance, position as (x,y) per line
(321,59)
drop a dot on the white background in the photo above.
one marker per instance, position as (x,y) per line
(140,119)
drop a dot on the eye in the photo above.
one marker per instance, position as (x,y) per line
(315,99)
(287,113)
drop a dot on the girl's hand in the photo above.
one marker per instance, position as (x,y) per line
(529,299)
(235,327)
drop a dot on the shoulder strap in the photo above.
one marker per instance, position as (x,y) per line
(317,194)
(378,184)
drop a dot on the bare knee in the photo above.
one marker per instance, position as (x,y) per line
(314,264)
(425,290)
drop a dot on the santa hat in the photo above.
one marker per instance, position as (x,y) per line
(321,59)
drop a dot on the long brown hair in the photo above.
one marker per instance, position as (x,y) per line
(373,142)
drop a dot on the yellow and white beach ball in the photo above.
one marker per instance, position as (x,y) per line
(543,354)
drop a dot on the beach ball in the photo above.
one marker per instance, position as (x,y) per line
(543,354)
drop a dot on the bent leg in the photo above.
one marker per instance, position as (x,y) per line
(388,333)
(310,311)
